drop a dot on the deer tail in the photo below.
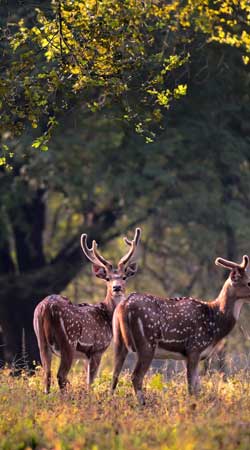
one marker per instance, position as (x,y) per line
(40,315)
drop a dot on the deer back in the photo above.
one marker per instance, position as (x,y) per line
(176,325)
(87,328)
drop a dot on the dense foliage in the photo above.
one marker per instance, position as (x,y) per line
(130,55)
(101,75)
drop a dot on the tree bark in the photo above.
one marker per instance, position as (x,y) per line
(28,221)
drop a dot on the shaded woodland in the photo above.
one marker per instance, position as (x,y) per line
(188,189)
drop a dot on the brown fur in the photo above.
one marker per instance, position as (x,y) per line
(182,328)
(72,331)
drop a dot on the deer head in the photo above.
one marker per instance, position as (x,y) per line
(238,278)
(102,268)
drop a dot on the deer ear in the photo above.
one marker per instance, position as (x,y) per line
(99,272)
(219,262)
(131,269)
(235,275)
(245,262)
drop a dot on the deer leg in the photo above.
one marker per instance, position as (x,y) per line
(65,365)
(207,366)
(193,373)
(120,353)
(141,367)
(46,357)
(40,329)
(92,368)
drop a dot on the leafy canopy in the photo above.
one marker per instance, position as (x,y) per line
(128,55)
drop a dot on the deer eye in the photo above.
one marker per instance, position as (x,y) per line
(124,277)
(107,279)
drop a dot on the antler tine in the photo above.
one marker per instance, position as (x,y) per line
(89,252)
(133,245)
(100,258)
(136,237)
(232,265)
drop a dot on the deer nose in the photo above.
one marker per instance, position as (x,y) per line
(116,288)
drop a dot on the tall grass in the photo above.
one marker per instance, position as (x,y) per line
(219,419)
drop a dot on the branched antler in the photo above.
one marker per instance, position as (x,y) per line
(92,254)
(133,246)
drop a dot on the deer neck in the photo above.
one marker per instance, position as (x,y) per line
(112,301)
(228,304)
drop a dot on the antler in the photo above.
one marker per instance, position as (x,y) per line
(100,257)
(133,245)
(232,265)
(92,254)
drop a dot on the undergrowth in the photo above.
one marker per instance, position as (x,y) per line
(171,420)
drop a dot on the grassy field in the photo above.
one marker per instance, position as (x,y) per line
(219,419)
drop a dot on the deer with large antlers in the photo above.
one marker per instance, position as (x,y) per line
(177,328)
(72,331)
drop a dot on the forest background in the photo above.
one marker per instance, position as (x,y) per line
(117,114)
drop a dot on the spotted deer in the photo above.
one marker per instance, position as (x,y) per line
(177,328)
(71,331)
